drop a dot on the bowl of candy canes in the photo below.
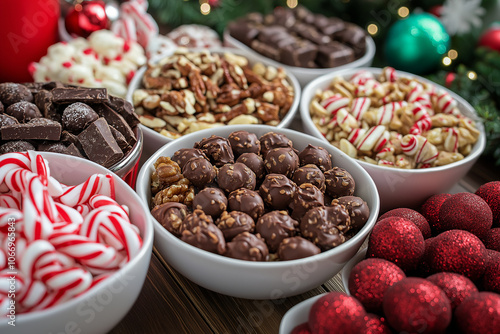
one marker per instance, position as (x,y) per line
(76,242)
(415,138)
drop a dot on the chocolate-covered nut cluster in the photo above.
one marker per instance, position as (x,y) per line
(53,117)
(297,37)
(268,200)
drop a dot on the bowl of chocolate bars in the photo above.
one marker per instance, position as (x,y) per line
(308,45)
(196,89)
(414,137)
(83,122)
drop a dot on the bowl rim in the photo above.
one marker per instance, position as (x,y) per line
(128,161)
(368,56)
(145,173)
(324,80)
(298,310)
(147,242)
(136,83)
(360,256)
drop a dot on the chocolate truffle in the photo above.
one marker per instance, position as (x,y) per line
(316,155)
(170,215)
(16,146)
(11,93)
(296,248)
(244,142)
(339,182)
(77,116)
(272,140)
(247,201)
(254,162)
(247,246)
(325,226)
(199,171)
(306,197)
(358,210)
(1,107)
(277,191)
(185,154)
(275,226)
(23,111)
(233,223)
(235,176)
(195,218)
(9,120)
(212,201)
(217,149)
(205,236)
(281,160)
(309,174)
(53,147)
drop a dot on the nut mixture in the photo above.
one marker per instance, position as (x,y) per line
(250,210)
(192,91)
(393,121)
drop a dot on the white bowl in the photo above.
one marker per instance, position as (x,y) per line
(346,271)
(401,187)
(305,75)
(297,315)
(154,140)
(102,307)
(259,280)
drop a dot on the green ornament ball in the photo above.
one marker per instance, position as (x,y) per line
(416,44)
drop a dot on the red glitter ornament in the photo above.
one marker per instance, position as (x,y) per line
(492,239)
(86,17)
(430,209)
(465,211)
(479,314)
(370,278)
(397,240)
(415,305)
(490,192)
(413,216)
(458,252)
(423,268)
(456,287)
(491,277)
(376,325)
(301,329)
(336,312)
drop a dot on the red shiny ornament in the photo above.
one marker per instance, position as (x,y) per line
(465,211)
(86,17)
(491,277)
(436,10)
(213,3)
(413,216)
(456,287)
(490,192)
(450,77)
(479,314)
(415,305)
(457,251)
(491,39)
(370,278)
(430,209)
(376,325)
(492,239)
(397,240)
(301,329)
(336,312)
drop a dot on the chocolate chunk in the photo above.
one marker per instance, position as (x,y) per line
(99,144)
(11,93)
(243,31)
(212,201)
(7,120)
(235,176)
(233,223)
(300,54)
(43,101)
(69,138)
(23,111)
(170,215)
(272,140)
(328,26)
(247,201)
(274,227)
(1,107)
(244,142)
(37,128)
(277,191)
(334,54)
(284,17)
(73,150)
(282,160)
(77,116)
(355,37)
(79,94)
(306,197)
(52,147)
(247,246)
(199,171)
(311,33)
(125,109)
(339,182)
(316,155)
(16,146)
(358,210)
(120,139)
(309,174)
(185,154)
(254,162)
(115,120)
(272,34)
(296,248)
(217,149)
(266,50)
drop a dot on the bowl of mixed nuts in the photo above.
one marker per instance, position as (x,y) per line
(415,138)
(192,90)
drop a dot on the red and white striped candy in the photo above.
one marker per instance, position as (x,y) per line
(389,74)
(361,77)
(4,304)
(382,142)
(334,103)
(355,136)
(409,145)
(32,294)
(8,215)
(420,148)
(370,138)
(386,112)
(39,211)
(345,120)
(74,195)
(12,161)
(451,140)
(445,103)
(423,121)
(105,203)
(3,259)
(11,200)
(359,106)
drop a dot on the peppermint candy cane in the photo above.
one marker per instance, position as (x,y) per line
(361,77)
(359,106)
(420,148)
(418,94)
(389,74)
(40,167)
(345,120)
(145,25)
(83,209)
(386,112)
(3,259)
(451,140)
(11,200)
(74,195)
(445,103)
(9,216)
(38,210)
(355,136)
(423,121)
(32,294)
(371,138)
(12,161)
(5,281)
(106,203)
(4,304)
(334,103)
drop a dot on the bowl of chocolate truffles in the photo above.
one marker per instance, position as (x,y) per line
(415,138)
(83,122)
(307,45)
(76,253)
(261,213)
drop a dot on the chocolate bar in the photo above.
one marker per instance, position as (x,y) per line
(79,94)
(37,128)
(334,54)
(99,144)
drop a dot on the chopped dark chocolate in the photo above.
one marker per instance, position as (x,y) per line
(16,146)
(77,116)
(120,139)
(37,128)
(11,93)
(125,109)
(99,144)
(79,94)
(57,147)
(24,111)
(115,120)
(43,100)
(334,54)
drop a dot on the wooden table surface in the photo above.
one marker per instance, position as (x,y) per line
(170,303)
